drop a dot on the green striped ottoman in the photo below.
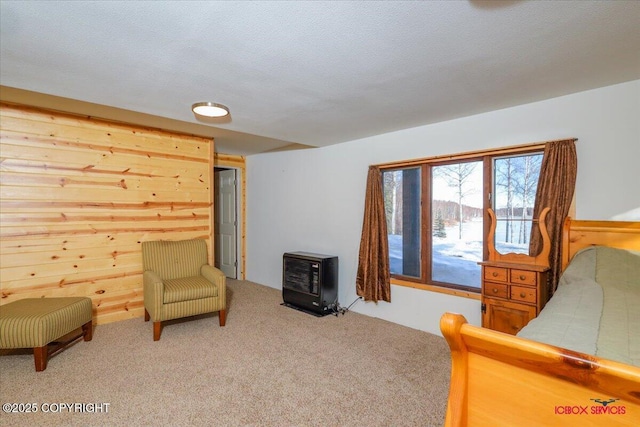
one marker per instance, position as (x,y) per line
(38,322)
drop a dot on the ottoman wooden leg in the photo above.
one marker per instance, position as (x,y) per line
(40,355)
(87,330)
(146,315)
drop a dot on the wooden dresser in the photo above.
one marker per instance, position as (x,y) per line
(512,294)
(514,286)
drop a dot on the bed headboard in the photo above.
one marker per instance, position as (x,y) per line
(579,234)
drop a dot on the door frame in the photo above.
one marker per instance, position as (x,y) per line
(226,161)
(230,181)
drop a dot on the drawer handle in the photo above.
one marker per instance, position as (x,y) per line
(522,295)
(522,277)
(495,290)
(494,274)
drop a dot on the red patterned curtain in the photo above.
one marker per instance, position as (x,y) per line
(373,281)
(555,189)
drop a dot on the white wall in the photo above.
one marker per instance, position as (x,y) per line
(312,200)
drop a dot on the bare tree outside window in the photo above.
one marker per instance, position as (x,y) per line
(504,177)
(456,202)
(457,177)
(515,182)
(528,171)
(392,185)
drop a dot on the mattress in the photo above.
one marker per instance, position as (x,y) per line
(595,307)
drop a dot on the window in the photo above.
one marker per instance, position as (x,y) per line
(456,212)
(515,181)
(402,197)
(435,213)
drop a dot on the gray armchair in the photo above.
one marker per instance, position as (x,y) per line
(178,282)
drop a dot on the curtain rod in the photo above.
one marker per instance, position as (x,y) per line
(467,154)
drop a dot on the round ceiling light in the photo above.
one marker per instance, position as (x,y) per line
(210,109)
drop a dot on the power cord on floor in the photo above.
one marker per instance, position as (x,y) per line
(337,309)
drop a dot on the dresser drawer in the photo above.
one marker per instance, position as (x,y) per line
(495,290)
(495,273)
(524,294)
(523,277)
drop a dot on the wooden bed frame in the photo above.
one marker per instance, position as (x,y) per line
(500,379)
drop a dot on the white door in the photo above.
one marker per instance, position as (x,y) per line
(226,222)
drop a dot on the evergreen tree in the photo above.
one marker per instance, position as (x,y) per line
(438,228)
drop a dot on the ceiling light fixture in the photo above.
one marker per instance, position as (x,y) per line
(210,109)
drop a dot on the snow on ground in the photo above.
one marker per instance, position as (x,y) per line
(454,260)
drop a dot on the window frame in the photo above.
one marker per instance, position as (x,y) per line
(426,165)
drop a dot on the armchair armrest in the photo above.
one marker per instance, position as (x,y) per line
(153,289)
(213,274)
(218,278)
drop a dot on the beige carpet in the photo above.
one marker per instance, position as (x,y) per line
(270,366)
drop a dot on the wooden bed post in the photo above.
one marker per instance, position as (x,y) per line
(450,325)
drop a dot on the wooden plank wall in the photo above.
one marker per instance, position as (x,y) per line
(79,195)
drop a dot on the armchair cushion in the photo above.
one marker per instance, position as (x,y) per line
(188,288)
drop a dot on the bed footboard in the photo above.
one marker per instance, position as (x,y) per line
(498,379)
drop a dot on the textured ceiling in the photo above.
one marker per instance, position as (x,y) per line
(315,73)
